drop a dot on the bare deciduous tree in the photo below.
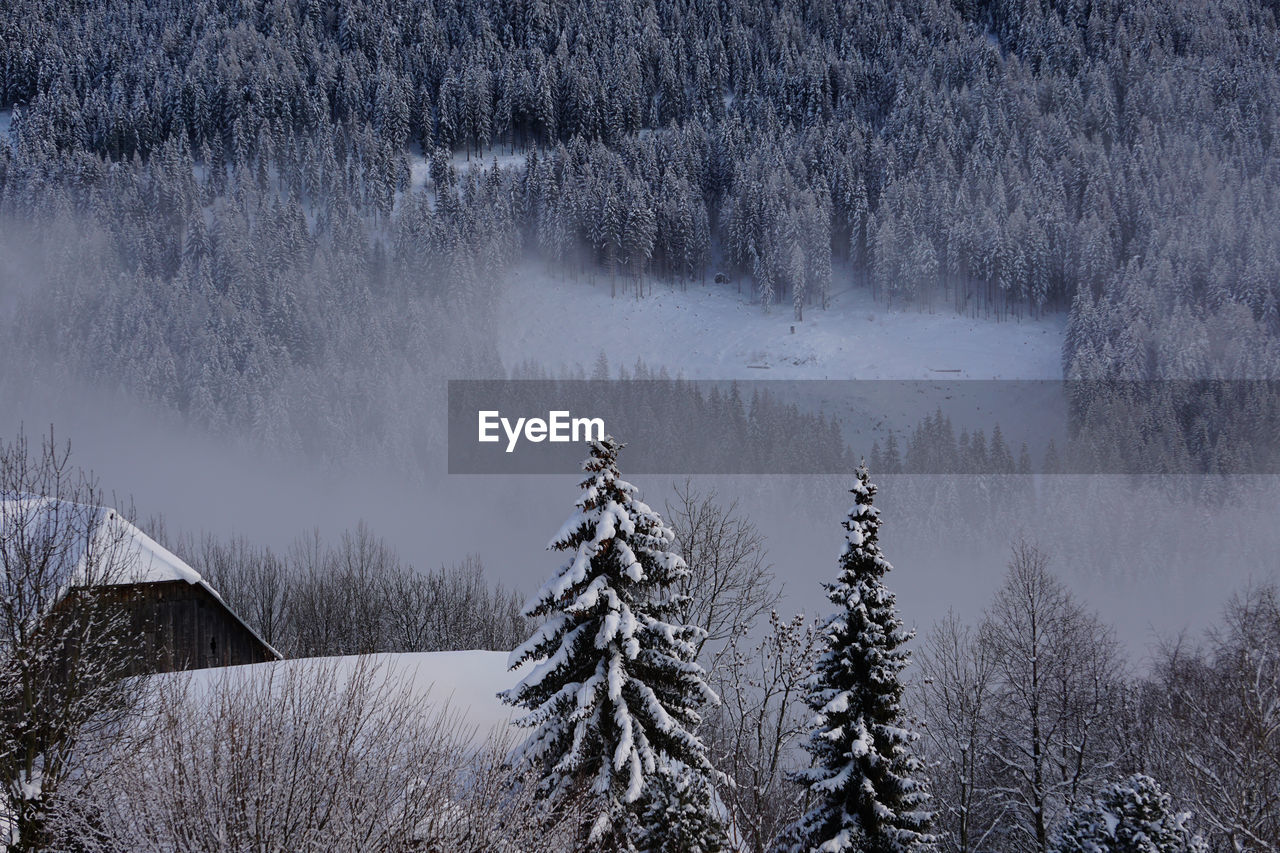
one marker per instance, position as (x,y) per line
(252,580)
(66,655)
(461,610)
(1058,680)
(730,583)
(357,597)
(312,756)
(1216,730)
(753,737)
(334,610)
(955,691)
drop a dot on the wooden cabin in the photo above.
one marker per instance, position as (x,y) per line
(182,621)
(185,625)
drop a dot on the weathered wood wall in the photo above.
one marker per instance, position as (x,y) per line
(184,626)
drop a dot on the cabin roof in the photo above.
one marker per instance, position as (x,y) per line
(144,560)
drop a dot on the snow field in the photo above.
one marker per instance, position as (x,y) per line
(711,331)
(463,685)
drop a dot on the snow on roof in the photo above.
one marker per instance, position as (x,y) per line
(79,527)
(141,558)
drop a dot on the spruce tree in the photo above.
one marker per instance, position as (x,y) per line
(613,689)
(864,783)
(680,814)
(1130,816)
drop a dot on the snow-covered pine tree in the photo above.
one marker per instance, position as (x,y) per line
(613,690)
(1130,816)
(865,784)
(681,814)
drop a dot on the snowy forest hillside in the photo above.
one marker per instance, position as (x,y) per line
(250,248)
(999,160)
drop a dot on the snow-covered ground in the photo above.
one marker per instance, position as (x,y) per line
(712,332)
(462,684)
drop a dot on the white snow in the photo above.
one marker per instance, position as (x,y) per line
(152,562)
(462,684)
(419,169)
(6,117)
(712,332)
(141,558)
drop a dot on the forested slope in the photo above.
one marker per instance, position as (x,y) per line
(223,219)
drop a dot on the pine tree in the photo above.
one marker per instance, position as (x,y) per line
(892,457)
(795,277)
(639,232)
(681,814)
(613,692)
(867,794)
(1130,816)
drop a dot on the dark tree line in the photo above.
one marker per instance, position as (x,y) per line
(356,596)
(1004,158)
(1213,427)
(681,425)
(934,448)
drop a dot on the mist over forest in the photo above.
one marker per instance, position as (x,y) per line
(277,229)
(286,225)
(244,246)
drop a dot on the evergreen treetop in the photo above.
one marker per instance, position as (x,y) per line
(865,783)
(613,689)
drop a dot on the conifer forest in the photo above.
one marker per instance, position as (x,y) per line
(935,351)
